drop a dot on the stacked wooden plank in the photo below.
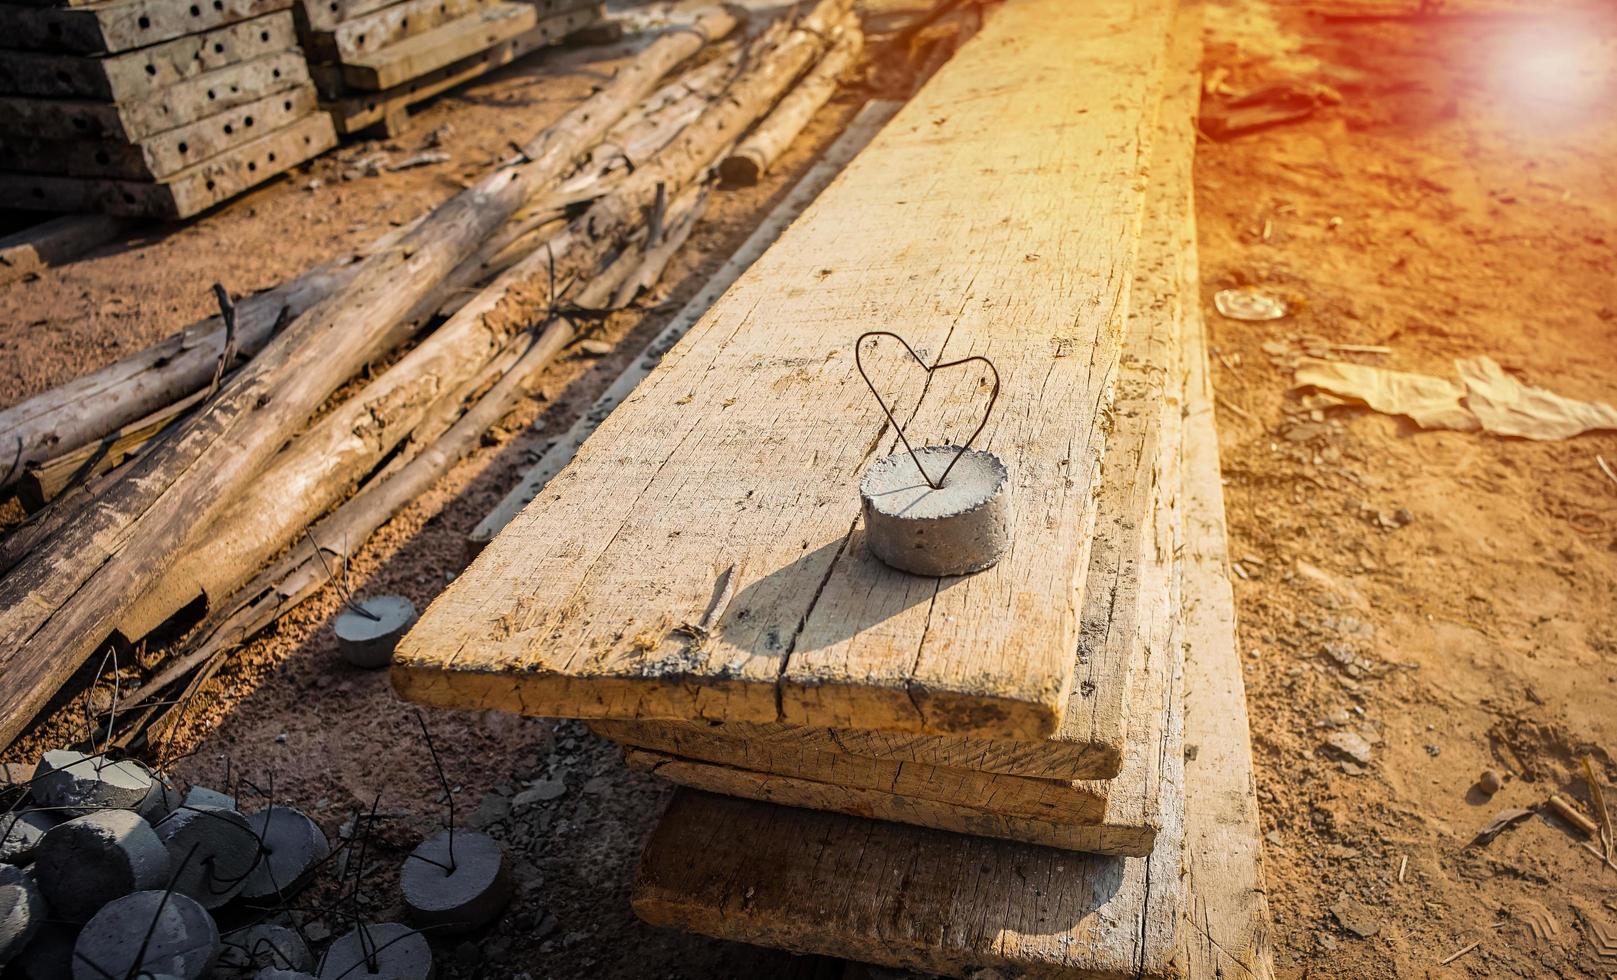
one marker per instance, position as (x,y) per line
(372,59)
(986,772)
(149,107)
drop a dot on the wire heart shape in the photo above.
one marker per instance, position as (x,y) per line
(935,367)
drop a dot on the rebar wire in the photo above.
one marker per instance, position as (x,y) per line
(936,366)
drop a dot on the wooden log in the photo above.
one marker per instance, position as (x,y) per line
(144,71)
(186,193)
(449,435)
(44,481)
(327,16)
(358,112)
(50,243)
(756,427)
(167,153)
(64,599)
(560,451)
(746,164)
(176,105)
(119,25)
(425,53)
(318,469)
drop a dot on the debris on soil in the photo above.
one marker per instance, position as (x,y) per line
(1248,304)
(1502,821)
(1356,917)
(1489,782)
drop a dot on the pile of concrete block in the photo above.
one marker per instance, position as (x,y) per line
(151,108)
(373,59)
(107,871)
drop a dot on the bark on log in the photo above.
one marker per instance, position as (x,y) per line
(746,164)
(62,601)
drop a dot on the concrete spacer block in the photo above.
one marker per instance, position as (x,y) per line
(148,932)
(367,642)
(380,951)
(459,893)
(22,911)
(20,833)
(50,955)
(82,864)
(211,852)
(962,527)
(292,848)
(203,796)
(82,784)
(265,946)
(270,973)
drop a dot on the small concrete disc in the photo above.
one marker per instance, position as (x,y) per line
(179,938)
(211,852)
(962,527)
(265,946)
(397,953)
(82,864)
(203,796)
(160,801)
(21,832)
(469,897)
(270,973)
(369,643)
(293,847)
(22,911)
(83,784)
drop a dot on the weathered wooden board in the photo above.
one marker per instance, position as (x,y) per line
(54,242)
(179,104)
(329,16)
(703,560)
(357,112)
(379,28)
(425,53)
(168,152)
(191,191)
(119,25)
(134,74)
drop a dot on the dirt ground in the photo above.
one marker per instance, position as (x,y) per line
(1449,597)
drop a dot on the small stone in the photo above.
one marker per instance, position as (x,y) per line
(1274,838)
(595,348)
(493,809)
(1356,917)
(1489,782)
(1350,744)
(542,791)
(598,785)
(203,796)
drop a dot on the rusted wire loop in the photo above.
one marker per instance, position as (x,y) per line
(993,396)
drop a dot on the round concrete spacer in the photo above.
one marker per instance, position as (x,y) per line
(385,950)
(368,642)
(22,911)
(149,932)
(468,897)
(161,801)
(203,796)
(962,527)
(211,852)
(20,833)
(270,973)
(293,847)
(265,946)
(85,862)
(82,784)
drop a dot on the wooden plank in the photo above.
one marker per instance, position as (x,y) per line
(186,193)
(44,481)
(959,226)
(180,104)
(134,74)
(54,242)
(875,114)
(1050,800)
(380,28)
(358,112)
(425,53)
(166,153)
(120,25)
